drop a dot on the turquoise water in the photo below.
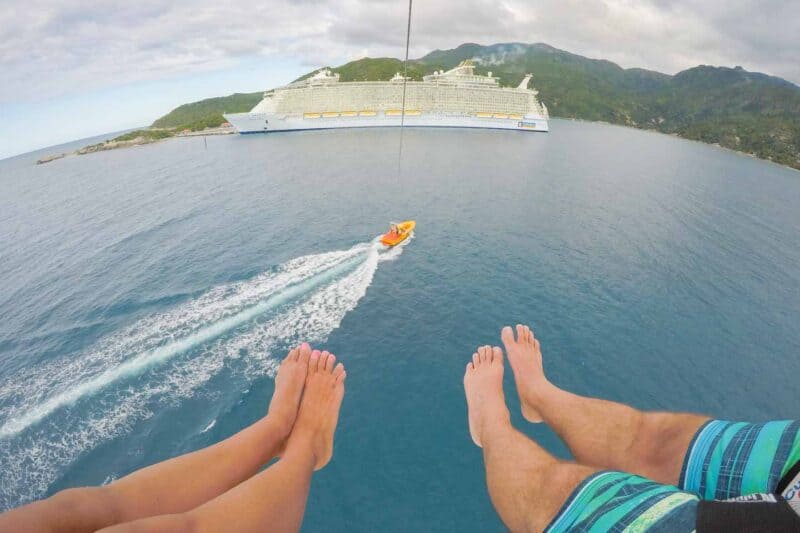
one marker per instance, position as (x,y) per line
(147,294)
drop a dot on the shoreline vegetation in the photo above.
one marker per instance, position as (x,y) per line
(746,112)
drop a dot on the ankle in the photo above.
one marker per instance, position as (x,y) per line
(539,392)
(497,421)
(280,423)
(495,426)
(301,443)
(301,438)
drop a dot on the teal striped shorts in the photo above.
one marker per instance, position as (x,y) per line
(724,460)
(730,459)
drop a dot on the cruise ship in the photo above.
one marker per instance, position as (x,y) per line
(457,98)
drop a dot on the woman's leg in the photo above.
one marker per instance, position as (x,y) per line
(275,499)
(178,484)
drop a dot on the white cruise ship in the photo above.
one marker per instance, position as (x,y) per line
(458,98)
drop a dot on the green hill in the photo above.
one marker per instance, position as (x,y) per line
(383,68)
(737,109)
(207,113)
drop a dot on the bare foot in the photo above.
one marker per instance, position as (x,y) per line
(289,383)
(525,356)
(319,409)
(483,383)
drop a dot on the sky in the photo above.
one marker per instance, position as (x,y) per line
(74,69)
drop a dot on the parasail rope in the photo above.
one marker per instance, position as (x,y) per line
(403,107)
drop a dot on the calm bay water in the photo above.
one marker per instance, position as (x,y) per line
(147,294)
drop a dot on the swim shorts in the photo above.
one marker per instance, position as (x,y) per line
(730,459)
(616,501)
(752,467)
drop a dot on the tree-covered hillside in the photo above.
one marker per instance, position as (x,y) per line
(737,109)
(207,113)
(370,69)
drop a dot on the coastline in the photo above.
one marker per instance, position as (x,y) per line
(138,140)
(113,144)
(676,136)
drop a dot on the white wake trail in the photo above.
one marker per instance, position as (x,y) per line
(176,353)
(140,362)
(41,383)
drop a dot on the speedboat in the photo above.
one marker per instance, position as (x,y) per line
(398,233)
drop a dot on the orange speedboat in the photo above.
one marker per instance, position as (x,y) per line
(398,233)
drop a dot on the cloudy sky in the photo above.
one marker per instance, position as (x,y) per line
(73,69)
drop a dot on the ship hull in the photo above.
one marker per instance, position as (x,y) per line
(268,122)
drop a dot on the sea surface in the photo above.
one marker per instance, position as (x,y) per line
(147,295)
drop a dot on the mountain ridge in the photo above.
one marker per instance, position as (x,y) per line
(750,112)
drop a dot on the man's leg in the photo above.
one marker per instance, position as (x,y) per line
(527,485)
(178,484)
(598,432)
(275,499)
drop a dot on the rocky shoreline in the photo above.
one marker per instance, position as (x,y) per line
(146,137)
(50,158)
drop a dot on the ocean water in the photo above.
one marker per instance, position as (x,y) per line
(147,294)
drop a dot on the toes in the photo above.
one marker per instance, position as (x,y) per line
(313,361)
(476,360)
(338,369)
(485,353)
(507,336)
(330,362)
(470,366)
(497,356)
(323,360)
(339,373)
(520,333)
(304,352)
(292,355)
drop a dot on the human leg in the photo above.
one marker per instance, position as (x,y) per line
(599,432)
(181,483)
(275,499)
(527,485)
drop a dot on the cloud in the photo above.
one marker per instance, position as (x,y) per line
(53,48)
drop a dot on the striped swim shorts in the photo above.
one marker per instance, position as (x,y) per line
(725,460)
(731,459)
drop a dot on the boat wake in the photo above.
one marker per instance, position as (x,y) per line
(59,410)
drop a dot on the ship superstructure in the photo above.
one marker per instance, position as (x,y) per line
(456,98)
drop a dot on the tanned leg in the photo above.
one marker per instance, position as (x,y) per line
(527,485)
(275,499)
(178,484)
(599,432)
